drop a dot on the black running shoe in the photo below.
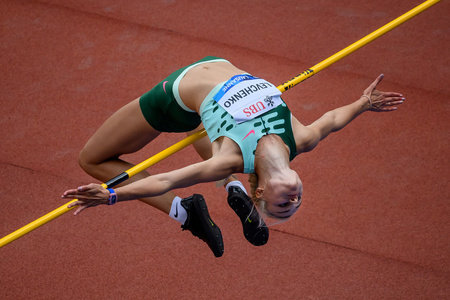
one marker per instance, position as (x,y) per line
(255,230)
(200,224)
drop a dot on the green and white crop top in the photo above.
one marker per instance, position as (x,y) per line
(265,114)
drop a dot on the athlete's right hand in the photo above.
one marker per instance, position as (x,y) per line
(87,196)
(382,101)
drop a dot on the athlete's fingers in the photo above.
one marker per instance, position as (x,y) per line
(393,100)
(79,209)
(76,203)
(69,193)
(392,94)
(373,85)
(377,81)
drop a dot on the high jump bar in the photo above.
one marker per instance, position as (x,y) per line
(202,133)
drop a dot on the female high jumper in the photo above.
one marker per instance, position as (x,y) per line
(250,130)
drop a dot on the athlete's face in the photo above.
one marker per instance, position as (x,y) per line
(283,197)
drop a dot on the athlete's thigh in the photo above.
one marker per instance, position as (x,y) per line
(126,131)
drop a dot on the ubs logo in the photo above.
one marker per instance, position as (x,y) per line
(259,106)
(254,108)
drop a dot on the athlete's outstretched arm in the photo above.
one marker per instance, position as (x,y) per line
(372,99)
(213,169)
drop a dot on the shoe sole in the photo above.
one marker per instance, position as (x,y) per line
(254,233)
(212,231)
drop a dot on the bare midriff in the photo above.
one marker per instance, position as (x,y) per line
(201,79)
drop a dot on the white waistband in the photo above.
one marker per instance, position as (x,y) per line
(176,84)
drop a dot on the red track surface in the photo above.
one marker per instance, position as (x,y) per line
(374,223)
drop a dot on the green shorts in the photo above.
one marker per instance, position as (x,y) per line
(163,108)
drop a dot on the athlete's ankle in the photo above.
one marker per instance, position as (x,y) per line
(177,211)
(235,183)
(229,179)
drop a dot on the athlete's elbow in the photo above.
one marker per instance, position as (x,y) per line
(310,140)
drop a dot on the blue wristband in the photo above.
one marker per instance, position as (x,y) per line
(112,197)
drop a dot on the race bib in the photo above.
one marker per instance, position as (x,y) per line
(245,97)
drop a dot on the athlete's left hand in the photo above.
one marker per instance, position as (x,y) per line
(87,196)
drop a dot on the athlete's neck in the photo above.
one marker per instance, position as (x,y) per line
(271,157)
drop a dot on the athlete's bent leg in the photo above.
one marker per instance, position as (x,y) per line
(126,131)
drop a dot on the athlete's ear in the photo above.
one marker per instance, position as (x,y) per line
(259,192)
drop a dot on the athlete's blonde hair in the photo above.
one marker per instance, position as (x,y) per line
(258,202)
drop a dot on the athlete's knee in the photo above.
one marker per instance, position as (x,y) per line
(86,161)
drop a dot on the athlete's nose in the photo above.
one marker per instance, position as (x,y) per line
(294,199)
